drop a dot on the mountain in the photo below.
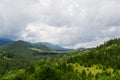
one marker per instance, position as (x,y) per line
(41,45)
(4,41)
(81,49)
(23,48)
(50,46)
(18,47)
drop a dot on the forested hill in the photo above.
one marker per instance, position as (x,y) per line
(100,63)
(23,48)
(18,47)
(4,41)
(107,54)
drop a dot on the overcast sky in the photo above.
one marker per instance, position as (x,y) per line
(69,23)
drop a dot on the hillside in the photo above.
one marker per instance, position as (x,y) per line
(100,63)
(4,41)
(50,46)
(10,62)
(23,48)
(107,54)
(18,47)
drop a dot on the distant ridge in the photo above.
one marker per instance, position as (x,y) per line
(4,41)
(24,48)
(51,46)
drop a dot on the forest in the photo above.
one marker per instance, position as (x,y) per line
(100,63)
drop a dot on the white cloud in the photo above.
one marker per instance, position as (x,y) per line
(45,33)
(68,23)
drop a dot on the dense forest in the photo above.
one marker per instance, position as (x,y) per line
(100,63)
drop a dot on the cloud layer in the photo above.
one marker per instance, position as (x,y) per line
(69,23)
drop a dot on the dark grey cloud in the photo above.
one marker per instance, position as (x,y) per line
(69,23)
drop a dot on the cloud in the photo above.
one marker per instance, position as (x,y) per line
(45,33)
(69,23)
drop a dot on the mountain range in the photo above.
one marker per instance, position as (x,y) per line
(4,41)
(28,49)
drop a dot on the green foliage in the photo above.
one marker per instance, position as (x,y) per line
(107,54)
(105,58)
(84,74)
(30,69)
(18,48)
(47,73)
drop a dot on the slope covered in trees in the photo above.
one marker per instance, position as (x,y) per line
(9,62)
(100,63)
(107,54)
(4,41)
(23,48)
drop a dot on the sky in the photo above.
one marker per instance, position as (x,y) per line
(68,23)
